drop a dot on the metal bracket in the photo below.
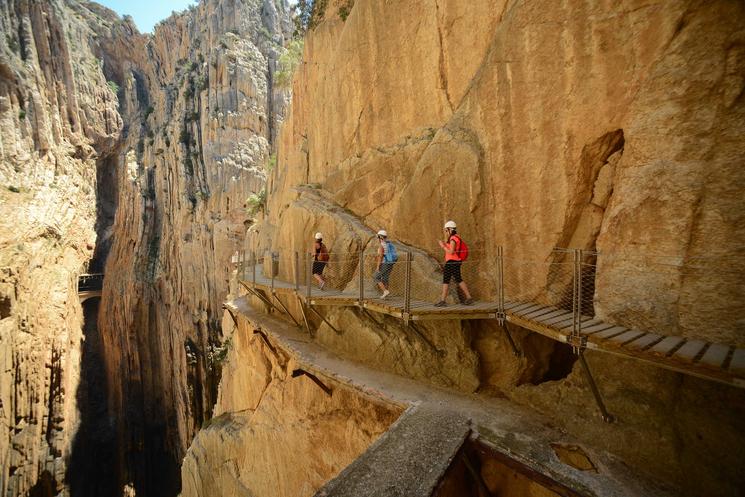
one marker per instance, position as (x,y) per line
(324,319)
(604,414)
(578,343)
(314,378)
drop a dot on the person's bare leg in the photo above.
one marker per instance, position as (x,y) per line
(381,286)
(319,279)
(444,291)
(463,287)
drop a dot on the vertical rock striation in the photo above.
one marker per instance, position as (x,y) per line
(201,113)
(58,121)
(145,148)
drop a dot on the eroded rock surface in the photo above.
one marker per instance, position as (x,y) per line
(609,127)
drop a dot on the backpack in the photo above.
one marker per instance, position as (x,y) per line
(461,249)
(323,254)
(390,255)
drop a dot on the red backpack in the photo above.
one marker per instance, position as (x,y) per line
(461,249)
(323,254)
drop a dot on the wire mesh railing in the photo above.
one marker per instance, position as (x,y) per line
(573,286)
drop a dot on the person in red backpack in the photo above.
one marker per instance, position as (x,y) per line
(455,252)
(320,259)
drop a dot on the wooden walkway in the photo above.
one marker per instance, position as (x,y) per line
(712,361)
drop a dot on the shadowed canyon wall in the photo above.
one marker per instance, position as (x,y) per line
(134,154)
(609,126)
(58,124)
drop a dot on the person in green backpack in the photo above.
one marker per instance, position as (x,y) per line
(387,257)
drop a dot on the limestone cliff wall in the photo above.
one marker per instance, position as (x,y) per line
(201,112)
(276,433)
(609,126)
(58,122)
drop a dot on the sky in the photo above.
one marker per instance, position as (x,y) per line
(146,13)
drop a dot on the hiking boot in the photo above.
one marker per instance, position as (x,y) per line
(468,302)
(385,294)
(441,303)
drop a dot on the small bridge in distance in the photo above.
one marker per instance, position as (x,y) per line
(89,286)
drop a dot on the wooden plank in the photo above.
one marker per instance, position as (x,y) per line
(737,364)
(610,332)
(689,350)
(715,355)
(589,330)
(624,337)
(643,341)
(558,319)
(527,310)
(666,345)
(540,312)
(545,317)
(521,307)
(510,305)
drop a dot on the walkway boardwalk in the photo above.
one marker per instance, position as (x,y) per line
(564,323)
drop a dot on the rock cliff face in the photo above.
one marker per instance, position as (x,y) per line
(601,126)
(145,148)
(58,124)
(201,112)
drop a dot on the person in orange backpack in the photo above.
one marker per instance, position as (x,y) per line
(320,259)
(455,253)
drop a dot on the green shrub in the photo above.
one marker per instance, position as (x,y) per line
(345,9)
(149,111)
(256,202)
(113,87)
(288,62)
(21,114)
(14,189)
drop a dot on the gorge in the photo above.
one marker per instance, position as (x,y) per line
(236,129)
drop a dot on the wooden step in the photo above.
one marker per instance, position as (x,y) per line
(689,350)
(666,346)
(715,355)
(643,342)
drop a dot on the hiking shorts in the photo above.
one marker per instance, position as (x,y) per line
(318,267)
(451,271)
(384,273)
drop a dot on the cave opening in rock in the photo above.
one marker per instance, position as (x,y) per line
(4,307)
(479,470)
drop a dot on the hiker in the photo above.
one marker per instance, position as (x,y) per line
(455,253)
(387,257)
(320,259)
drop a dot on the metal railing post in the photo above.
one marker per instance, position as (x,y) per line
(271,268)
(500,285)
(297,272)
(253,268)
(362,277)
(407,288)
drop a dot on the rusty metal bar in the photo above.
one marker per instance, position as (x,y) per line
(407,288)
(604,414)
(253,267)
(314,378)
(285,309)
(324,319)
(362,277)
(271,268)
(305,317)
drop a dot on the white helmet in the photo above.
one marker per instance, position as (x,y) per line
(450,224)
(383,233)
(319,236)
